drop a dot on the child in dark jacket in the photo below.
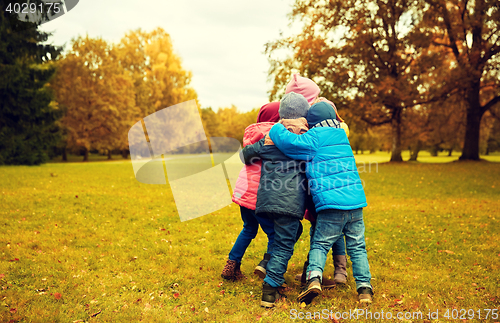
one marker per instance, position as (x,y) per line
(282,193)
(337,193)
(245,195)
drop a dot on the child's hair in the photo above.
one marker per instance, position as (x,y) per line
(304,86)
(293,106)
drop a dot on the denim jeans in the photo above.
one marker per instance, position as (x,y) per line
(251,224)
(330,225)
(286,231)
(338,248)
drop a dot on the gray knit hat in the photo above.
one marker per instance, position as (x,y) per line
(293,106)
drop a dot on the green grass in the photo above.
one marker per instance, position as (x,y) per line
(423,157)
(86,241)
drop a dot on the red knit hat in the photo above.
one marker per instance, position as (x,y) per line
(269,112)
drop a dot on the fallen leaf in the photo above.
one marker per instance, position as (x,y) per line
(334,319)
(2,276)
(13,310)
(460,297)
(176,295)
(57,295)
(206,309)
(96,313)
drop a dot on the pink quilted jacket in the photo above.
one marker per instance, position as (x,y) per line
(247,184)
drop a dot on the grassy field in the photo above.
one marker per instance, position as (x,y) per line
(86,242)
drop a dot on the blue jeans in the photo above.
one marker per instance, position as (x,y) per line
(286,229)
(251,224)
(338,248)
(330,225)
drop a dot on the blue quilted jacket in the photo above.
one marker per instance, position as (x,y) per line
(331,169)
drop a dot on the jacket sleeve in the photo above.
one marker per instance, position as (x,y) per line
(300,147)
(251,153)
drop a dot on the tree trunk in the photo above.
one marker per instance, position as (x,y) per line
(414,152)
(64,154)
(125,153)
(396,136)
(86,155)
(473,124)
(434,150)
(109,154)
(450,151)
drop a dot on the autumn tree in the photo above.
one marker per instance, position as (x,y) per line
(28,115)
(470,30)
(367,56)
(96,95)
(159,79)
(156,70)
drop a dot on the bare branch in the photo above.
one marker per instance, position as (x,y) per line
(490,53)
(441,44)
(490,104)
(372,122)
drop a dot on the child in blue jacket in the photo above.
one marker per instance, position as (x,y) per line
(337,193)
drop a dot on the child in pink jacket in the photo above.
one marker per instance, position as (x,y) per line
(245,195)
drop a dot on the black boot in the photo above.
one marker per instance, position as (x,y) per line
(260,270)
(270,295)
(312,289)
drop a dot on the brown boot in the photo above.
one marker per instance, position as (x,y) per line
(325,284)
(229,270)
(340,274)
(238,275)
(302,277)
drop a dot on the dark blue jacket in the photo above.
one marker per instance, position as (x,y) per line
(331,169)
(283,182)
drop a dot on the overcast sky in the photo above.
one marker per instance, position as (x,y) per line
(220,41)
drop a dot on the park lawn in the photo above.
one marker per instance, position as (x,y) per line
(87,242)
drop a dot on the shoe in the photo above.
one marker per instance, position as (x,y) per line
(325,284)
(365,295)
(340,274)
(238,275)
(312,289)
(270,295)
(232,271)
(260,270)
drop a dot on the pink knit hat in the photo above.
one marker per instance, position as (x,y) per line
(304,86)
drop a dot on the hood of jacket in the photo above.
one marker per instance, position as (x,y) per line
(296,126)
(256,132)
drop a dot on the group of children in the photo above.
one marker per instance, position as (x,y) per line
(298,161)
